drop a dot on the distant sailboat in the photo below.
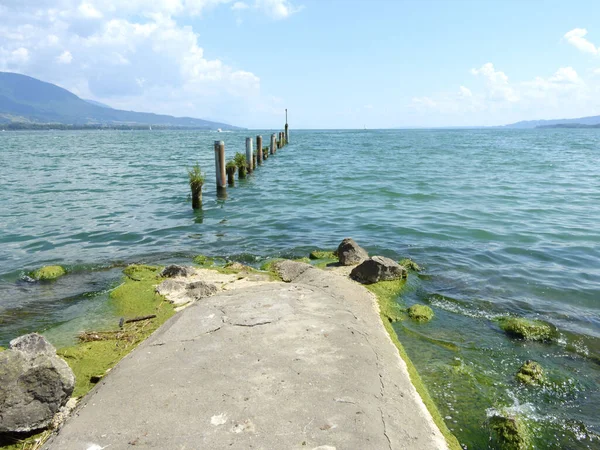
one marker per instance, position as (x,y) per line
(150,127)
(219,130)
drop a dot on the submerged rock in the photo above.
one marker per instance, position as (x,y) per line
(322,254)
(290,270)
(508,433)
(531,372)
(409,264)
(420,313)
(205,261)
(350,253)
(35,383)
(529,330)
(139,272)
(378,268)
(175,270)
(48,273)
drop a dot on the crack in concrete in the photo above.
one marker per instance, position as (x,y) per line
(385,429)
(159,344)
(250,325)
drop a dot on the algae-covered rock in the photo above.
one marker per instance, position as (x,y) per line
(420,313)
(529,330)
(203,260)
(48,273)
(531,372)
(139,272)
(290,270)
(267,266)
(509,433)
(322,254)
(409,264)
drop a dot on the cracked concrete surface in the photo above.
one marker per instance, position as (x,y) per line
(299,365)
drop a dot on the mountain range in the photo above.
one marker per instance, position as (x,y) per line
(26,102)
(581,122)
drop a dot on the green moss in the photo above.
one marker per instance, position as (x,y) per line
(531,373)
(204,261)
(134,297)
(409,264)
(26,441)
(420,313)
(267,266)
(321,254)
(509,433)
(529,330)
(48,273)
(139,272)
(302,260)
(2,349)
(387,292)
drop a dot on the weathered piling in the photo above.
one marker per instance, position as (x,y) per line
(249,155)
(259,150)
(231,168)
(273,144)
(287,129)
(220,165)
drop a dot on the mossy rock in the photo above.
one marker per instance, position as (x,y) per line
(420,313)
(509,433)
(48,273)
(531,373)
(139,272)
(205,261)
(302,260)
(322,254)
(409,264)
(529,330)
(267,266)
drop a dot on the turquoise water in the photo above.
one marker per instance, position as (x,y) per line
(504,222)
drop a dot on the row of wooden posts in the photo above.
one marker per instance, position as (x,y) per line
(253,159)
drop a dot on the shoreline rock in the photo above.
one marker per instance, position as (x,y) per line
(378,268)
(350,253)
(36,384)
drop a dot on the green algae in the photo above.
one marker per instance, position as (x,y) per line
(135,297)
(267,266)
(322,254)
(531,373)
(409,264)
(529,330)
(2,349)
(48,273)
(420,313)
(387,292)
(509,433)
(205,261)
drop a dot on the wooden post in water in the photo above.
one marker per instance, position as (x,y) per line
(287,129)
(249,155)
(220,166)
(259,150)
(273,144)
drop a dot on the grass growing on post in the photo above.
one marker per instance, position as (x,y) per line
(196,178)
(231,168)
(241,163)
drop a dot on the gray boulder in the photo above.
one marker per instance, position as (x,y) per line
(176,271)
(200,289)
(34,384)
(350,253)
(169,287)
(378,268)
(290,270)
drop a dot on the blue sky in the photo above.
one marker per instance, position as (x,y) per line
(332,63)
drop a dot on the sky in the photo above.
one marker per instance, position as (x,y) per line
(332,63)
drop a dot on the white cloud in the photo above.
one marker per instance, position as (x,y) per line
(576,38)
(497,82)
(238,6)
(465,92)
(88,11)
(65,57)
(278,9)
(132,54)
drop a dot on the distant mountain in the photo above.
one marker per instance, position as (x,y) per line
(563,123)
(94,102)
(25,100)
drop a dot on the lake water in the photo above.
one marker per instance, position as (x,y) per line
(505,222)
